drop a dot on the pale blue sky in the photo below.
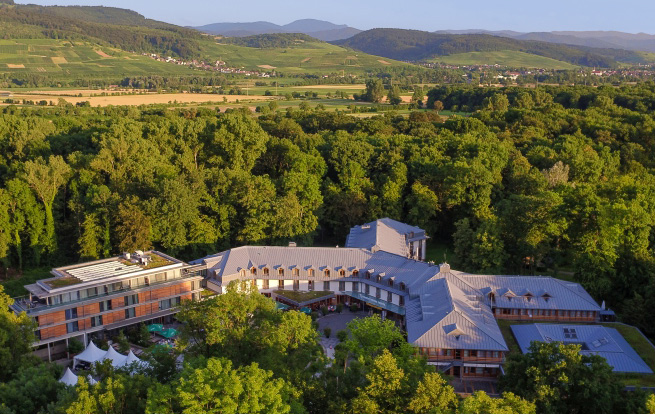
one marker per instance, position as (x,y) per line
(525,15)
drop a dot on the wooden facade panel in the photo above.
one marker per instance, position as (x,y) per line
(118,302)
(53,332)
(88,310)
(52,318)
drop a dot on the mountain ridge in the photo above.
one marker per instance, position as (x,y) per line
(319,29)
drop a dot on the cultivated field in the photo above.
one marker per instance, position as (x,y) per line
(509,58)
(77,59)
(305,58)
(145,99)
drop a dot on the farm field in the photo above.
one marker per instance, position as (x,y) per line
(75,58)
(509,58)
(142,99)
(312,57)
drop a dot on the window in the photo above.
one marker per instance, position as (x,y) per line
(296,272)
(326,273)
(342,286)
(355,273)
(402,286)
(326,285)
(72,327)
(391,282)
(466,353)
(165,304)
(401,301)
(280,284)
(105,305)
(96,321)
(266,271)
(265,284)
(378,293)
(160,277)
(342,273)
(280,272)
(356,286)
(378,279)
(389,297)
(253,271)
(131,300)
(311,285)
(71,313)
(310,272)
(496,354)
(296,284)
(368,275)
(367,289)
(243,272)
(130,313)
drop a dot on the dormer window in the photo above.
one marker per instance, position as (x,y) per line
(528,297)
(296,272)
(342,273)
(266,271)
(402,286)
(243,272)
(390,282)
(280,272)
(378,279)
(253,271)
(310,272)
(368,275)
(326,273)
(355,273)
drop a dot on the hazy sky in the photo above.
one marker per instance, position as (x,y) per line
(525,15)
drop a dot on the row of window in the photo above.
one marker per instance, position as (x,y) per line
(135,282)
(466,353)
(547,312)
(342,287)
(326,273)
(129,313)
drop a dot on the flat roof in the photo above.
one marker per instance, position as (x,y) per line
(593,339)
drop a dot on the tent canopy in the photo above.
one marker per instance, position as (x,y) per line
(133,359)
(91,354)
(155,327)
(306,310)
(169,333)
(69,378)
(117,360)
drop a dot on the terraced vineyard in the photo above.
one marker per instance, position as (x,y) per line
(306,57)
(509,58)
(76,58)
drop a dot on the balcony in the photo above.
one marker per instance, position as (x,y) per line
(24,304)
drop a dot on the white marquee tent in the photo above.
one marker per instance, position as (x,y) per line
(69,378)
(91,354)
(117,360)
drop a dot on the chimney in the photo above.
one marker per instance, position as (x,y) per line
(292,244)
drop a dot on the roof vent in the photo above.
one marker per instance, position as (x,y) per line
(365,226)
(126,255)
(292,244)
(444,267)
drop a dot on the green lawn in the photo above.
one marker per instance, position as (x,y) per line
(509,58)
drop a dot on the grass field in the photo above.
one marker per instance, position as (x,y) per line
(509,58)
(71,59)
(321,58)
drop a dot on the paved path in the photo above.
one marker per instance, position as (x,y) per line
(336,322)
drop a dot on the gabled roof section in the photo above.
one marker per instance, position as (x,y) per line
(384,234)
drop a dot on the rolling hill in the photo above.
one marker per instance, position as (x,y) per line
(509,58)
(318,29)
(414,45)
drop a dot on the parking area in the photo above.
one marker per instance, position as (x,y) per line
(336,322)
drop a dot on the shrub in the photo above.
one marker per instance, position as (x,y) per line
(314,315)
(339,307)
(75,346)
(342,335)
(354,308)
(324,310)
(327,332)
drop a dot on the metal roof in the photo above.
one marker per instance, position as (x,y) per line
(594,339)
(384,234)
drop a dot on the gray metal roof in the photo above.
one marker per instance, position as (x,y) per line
(384,234)
(594,339)
(532,292)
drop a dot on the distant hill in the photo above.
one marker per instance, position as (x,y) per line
(415,45)
(598,39)
(318,29)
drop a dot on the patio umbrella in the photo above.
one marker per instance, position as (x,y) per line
(155,327)
(169,333)
(306,310)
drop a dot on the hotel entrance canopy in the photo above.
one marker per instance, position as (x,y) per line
(376,303)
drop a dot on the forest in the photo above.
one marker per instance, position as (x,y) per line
(555,180)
